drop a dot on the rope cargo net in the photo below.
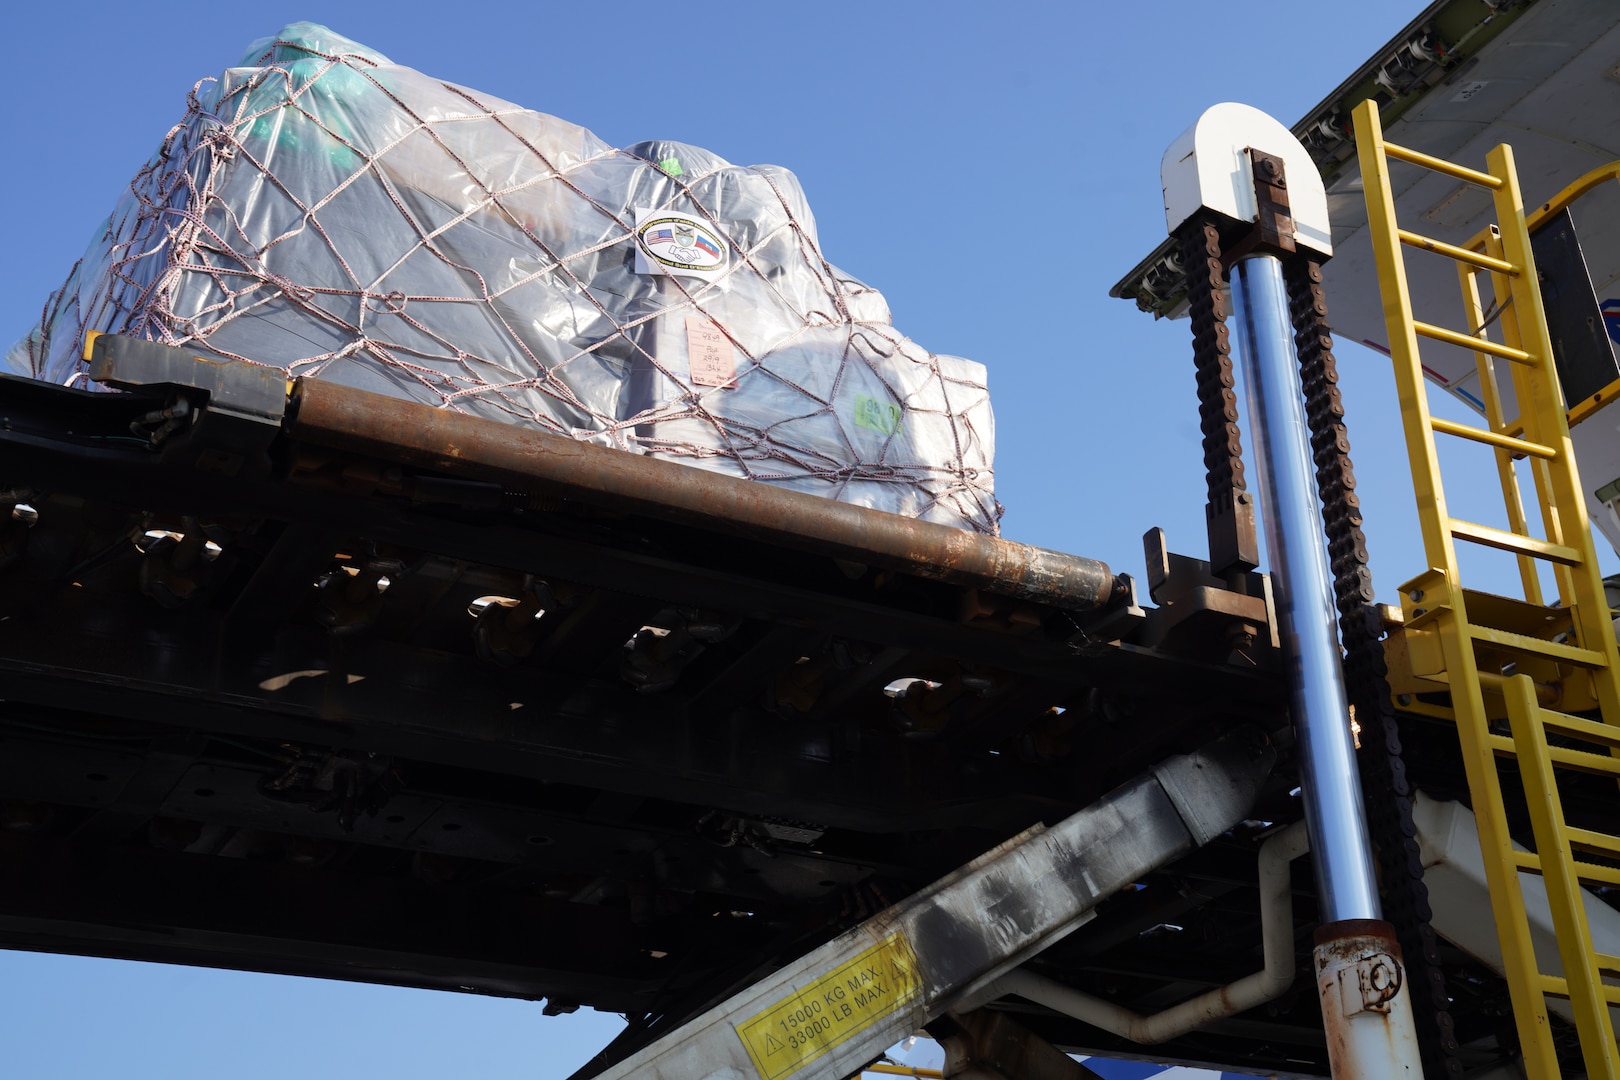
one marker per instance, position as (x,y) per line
(325,211)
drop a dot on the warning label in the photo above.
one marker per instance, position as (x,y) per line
(833,1009)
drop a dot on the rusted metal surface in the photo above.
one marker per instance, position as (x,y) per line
(1234,545)
(1366,1001)
(342,418)
(1198,609)
(1273,231)
(993,1046)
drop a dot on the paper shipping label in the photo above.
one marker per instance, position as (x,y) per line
(709,353)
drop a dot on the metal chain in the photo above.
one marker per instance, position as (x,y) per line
(1232,542)
(1383,772)
(1212,354)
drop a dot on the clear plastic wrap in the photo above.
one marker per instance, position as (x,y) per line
(325,211)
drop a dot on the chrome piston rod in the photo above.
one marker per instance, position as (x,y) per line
(1303,585)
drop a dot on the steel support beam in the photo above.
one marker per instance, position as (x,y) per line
(832,1011)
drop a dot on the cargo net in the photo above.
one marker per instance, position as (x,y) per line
(325,211)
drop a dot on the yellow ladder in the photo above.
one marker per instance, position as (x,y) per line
(1503,654)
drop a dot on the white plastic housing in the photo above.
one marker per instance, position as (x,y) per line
(1454,871)
(1207,167)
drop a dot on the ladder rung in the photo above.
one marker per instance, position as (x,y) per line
(1585,761)
(1579,760)
(1452,251)
(1401,153)
(1608,965)
(1524,643)
(1596,842)
(1491,438)
(1597,875)
(1519,545)
(1464,341)
(1528,861)
(1590,730)
(1555,985)
(1559,986)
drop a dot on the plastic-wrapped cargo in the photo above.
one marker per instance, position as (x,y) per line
(328,212)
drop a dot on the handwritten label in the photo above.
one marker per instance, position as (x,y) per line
(833,1009)
(709,353)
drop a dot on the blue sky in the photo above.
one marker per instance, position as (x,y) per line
(992,168)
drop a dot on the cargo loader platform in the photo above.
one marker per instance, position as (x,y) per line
(303,679)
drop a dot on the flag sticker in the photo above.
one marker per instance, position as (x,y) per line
(838,1006)
(670,242)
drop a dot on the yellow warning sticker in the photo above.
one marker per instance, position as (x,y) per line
(833,1009)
